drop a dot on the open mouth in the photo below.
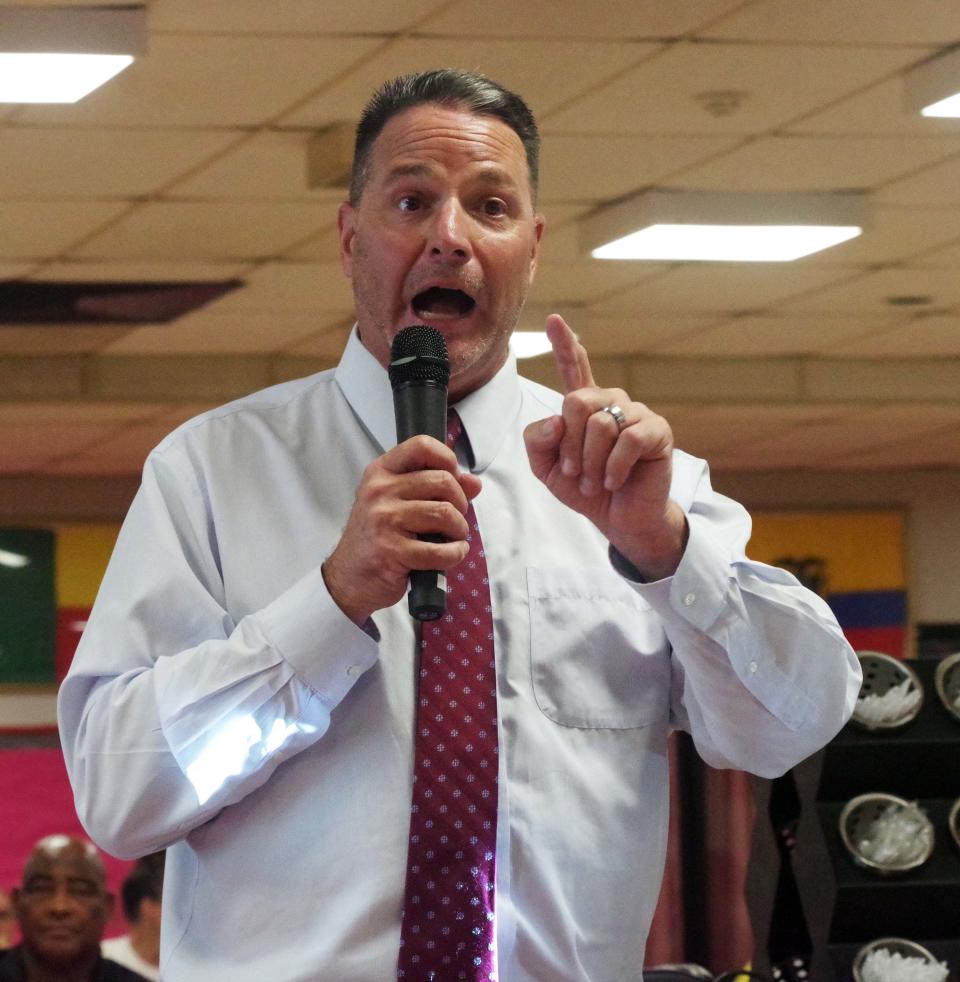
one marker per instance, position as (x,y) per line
(441,302)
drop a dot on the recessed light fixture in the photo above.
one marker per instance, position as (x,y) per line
(932,88)
(61,54)
(723,226)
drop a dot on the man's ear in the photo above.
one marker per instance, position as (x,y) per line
(346,229)
(539,223)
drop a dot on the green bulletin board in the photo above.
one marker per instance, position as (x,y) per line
(28,612)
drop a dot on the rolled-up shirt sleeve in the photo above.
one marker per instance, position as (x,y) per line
(762,673)
(171,711)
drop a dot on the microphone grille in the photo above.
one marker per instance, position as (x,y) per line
(419,354)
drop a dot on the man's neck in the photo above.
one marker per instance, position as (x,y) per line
(38,971)
(145,940)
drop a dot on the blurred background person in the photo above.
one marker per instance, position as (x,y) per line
(6,921)
(141,893)
(62,906)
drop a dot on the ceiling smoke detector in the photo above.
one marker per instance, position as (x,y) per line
(722,102)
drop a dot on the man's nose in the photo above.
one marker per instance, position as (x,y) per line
(449,236)
(61,903)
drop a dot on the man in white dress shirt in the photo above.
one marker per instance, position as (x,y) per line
(245,691)
(141,894)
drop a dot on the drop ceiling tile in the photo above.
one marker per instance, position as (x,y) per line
(708,430)
(869,295)
(924,337)
(324,247)
(105,465)
(591,169)
(885,22)
(15,271)
(289,16)
(827,442)
(54,339)
(289,287)
(759,337)
(70,413)
(268,166)
(946,257)
(138,272)
(665,94)
(580,65)
(571,18)
(794,163)
(877,111)
(936,184)
(41,229)
(25,445)
(102,163)
(210,80)
(720,287)
(233,334)
(895,234)
(937,450)
(199,230)
(586,280)
(328,343)
(638,333)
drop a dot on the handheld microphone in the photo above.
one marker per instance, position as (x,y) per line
(419,372)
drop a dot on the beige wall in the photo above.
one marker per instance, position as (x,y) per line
(931,500)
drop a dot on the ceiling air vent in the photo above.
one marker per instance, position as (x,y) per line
(34,302)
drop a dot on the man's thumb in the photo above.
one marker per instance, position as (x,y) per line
(543,443)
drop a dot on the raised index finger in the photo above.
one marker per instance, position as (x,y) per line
(569,354)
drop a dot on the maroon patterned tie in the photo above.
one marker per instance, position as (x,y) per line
(448,910)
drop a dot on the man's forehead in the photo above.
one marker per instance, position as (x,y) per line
(67,857)
(414,134)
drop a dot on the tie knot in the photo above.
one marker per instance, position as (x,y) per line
(454,428)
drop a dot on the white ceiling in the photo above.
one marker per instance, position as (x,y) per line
(191,164)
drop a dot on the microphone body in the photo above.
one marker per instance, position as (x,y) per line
(419,372)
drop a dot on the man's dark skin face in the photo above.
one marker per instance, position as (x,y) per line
(62,906)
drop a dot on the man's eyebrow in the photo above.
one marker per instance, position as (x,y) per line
(408,170)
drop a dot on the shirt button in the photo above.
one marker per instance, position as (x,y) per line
(753,667)
(689,600)
(354,670)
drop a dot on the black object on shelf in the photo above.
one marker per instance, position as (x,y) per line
(843,906)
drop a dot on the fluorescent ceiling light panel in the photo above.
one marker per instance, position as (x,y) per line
(529,344)
(932,88)
(59,55)
(723,226)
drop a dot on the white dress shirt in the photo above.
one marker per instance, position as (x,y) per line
(220,703)
(121,950)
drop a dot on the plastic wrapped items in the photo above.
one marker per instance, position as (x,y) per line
(898,837)
(883,965)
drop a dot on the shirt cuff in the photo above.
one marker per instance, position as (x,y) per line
(698,590)
(313,635)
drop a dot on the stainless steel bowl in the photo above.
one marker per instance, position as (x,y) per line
(947,682)
(858,816)
(881,673)
(901,946)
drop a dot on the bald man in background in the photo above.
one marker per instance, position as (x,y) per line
(62,906)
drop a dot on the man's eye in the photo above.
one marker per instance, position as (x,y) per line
(494,207)
(409,203)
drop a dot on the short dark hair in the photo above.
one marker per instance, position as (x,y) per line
(144,882)
(447,87)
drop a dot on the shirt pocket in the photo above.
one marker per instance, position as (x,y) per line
(599,658)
